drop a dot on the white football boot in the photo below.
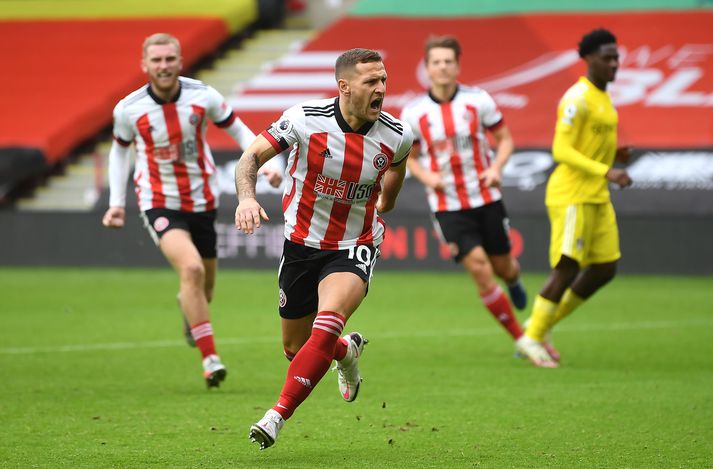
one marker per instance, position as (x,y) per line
(547,343)
(535,352)
(348,368)
(213,371)
(265,431)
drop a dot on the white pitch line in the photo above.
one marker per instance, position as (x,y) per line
(130,345)
(617,326)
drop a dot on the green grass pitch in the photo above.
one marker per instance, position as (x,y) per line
(94,373)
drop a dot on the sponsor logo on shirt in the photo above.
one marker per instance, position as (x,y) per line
(603,128)
(182,152)
(450,145)
(342,191)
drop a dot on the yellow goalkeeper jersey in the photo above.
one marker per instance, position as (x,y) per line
(584,146)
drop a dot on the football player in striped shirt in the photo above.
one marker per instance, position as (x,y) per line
(584,238)
(175,179)
(452,158)
(345,167)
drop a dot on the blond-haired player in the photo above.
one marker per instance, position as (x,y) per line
(175,178)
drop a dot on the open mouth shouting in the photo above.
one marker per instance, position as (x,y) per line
(375,104)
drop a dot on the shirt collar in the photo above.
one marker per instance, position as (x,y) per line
(363,130)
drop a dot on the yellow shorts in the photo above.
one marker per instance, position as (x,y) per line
(587,233)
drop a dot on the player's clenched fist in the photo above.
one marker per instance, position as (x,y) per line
(114,217)
(248,215)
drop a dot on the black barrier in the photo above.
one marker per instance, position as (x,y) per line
(19,164)
(661,244)
(665,221)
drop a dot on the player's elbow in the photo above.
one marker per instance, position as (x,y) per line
(506,141)
(385,205)
(560,150)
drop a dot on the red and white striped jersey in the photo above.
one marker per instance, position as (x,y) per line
(174,166)
(452,139)
(335,173)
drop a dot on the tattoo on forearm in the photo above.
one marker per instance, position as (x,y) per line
(246,176)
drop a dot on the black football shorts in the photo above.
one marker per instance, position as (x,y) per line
(486,226)
(201,226)
(303,267)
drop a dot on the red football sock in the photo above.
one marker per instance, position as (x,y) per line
(499,306)
(203,335)
(340,350)
(311,362)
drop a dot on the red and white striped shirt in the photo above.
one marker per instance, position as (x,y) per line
(453,143)
(174,166)
(335,173)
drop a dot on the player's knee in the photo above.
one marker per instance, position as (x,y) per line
(290,347)
(477,265)
(193,273)
(508,270)
(566,271)
(482,273)
(606,272)
(289,354)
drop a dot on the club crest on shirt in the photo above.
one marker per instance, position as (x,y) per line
(195,119)
(380,161)
(160,224)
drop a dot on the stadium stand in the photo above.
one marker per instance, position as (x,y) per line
(70,61)
(664,77)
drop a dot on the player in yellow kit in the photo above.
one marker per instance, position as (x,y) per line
(584,243)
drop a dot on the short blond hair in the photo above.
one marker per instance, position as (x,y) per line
(161,39)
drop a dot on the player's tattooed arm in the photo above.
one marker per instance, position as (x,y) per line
(246,171)
(249,214)
(246,175)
